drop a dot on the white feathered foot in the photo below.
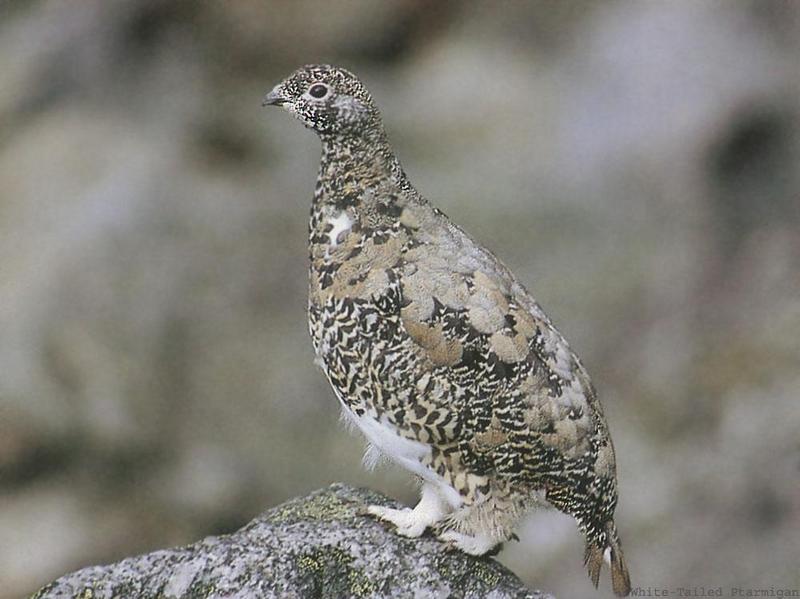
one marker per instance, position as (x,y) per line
(430,510)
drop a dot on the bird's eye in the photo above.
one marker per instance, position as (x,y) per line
(318,90)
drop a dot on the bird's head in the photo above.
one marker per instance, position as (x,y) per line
(330,100)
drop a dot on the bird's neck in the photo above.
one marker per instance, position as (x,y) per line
(354,174)
(350,166)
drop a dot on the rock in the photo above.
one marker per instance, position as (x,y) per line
(320,546)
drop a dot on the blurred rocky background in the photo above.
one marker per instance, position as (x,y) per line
(636,163)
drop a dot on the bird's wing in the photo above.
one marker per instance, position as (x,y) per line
(483,333)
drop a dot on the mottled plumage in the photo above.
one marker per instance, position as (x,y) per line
(437,353)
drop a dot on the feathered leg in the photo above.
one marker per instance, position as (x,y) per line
(479,528)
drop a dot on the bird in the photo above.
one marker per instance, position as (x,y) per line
(437,353)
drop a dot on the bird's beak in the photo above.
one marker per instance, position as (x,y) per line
(274,98)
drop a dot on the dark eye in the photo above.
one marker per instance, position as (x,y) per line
(318,90)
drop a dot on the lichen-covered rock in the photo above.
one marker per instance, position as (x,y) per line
(319,546)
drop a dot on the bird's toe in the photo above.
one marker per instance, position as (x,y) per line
(479,544)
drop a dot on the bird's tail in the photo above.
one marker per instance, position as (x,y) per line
(611,553)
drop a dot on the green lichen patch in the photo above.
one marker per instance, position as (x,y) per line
(360,585)
(201,590)
(330,573)
(309,564)
(473,573)
(324,507)
(43,592)
(486,573)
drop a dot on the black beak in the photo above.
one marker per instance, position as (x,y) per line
(274,98)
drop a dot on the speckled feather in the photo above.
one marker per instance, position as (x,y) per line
(426,334)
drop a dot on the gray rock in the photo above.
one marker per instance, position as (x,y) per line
(316,546)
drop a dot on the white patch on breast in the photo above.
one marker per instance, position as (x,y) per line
(340,224)
(404,452)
